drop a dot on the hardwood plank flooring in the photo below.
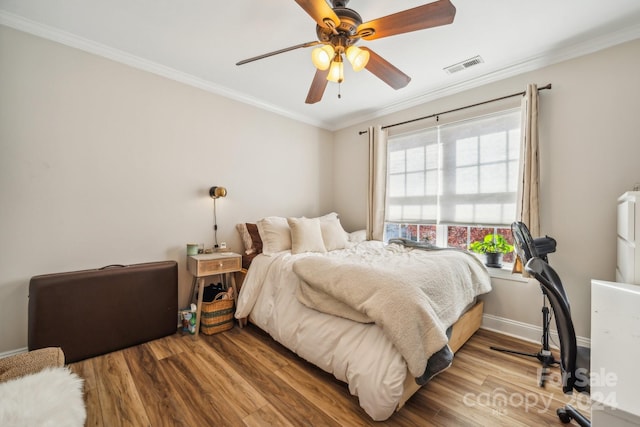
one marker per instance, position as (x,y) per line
(243,378)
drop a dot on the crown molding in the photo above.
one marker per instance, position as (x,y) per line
(532,63)
(68,39)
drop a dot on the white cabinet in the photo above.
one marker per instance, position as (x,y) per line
(615,351)
(628,265)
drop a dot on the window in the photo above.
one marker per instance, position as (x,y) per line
(453,184)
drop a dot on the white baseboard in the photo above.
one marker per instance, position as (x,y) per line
(13,352)
(524,331)
(513,328)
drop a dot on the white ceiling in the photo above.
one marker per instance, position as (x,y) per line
(199,41)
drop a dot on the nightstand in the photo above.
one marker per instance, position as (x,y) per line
(204,265)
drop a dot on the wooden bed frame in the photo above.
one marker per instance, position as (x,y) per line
(461,331)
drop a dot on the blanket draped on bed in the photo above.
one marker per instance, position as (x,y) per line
(414,297)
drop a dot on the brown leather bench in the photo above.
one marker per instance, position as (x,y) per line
(93,312)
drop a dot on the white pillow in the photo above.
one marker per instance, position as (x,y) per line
(333,234)
(275,234)
(306,235)
(332,215)
(246,238)
(358,236)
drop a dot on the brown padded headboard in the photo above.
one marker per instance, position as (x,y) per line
(92,312)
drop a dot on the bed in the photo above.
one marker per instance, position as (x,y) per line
(279,294)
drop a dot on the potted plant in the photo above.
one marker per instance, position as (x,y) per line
(493,246)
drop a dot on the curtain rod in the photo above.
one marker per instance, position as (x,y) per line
(457,109)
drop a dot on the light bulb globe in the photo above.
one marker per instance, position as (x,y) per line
(336,72)
(357,57)
(322,56)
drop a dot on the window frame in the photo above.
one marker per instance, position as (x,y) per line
(442,235)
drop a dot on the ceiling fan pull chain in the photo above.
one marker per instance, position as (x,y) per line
(339,87)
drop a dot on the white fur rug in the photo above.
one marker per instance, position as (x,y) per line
(51,397)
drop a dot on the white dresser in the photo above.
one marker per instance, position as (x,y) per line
(628,264)
(615,352)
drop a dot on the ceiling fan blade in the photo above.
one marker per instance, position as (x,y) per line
(276,52)
(422,17)
(320,11)
(385,71)
(317,87)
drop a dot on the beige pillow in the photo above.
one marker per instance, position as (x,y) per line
(275,234)
(306,235)
(246,238)
(333,235)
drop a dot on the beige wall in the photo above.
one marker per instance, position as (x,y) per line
(590,154)
(103,164)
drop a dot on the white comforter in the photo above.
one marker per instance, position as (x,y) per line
(357,353)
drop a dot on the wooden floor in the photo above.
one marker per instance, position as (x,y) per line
(243,378)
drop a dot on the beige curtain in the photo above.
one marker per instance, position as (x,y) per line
(527,209)
(377,183)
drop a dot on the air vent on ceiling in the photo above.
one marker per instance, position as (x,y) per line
(464,64)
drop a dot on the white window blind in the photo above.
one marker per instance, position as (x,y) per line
(459,173)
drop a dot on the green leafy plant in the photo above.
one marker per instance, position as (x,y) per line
(491,244)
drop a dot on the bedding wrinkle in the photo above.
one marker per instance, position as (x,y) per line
(414,298)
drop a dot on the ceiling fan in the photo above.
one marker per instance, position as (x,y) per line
(340,28)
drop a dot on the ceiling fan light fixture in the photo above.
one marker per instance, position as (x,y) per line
(358,57)
(322,56)
(338,28)
(336,72)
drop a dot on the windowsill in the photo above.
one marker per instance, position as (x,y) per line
(505,273)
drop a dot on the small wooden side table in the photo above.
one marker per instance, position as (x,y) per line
(204,265)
